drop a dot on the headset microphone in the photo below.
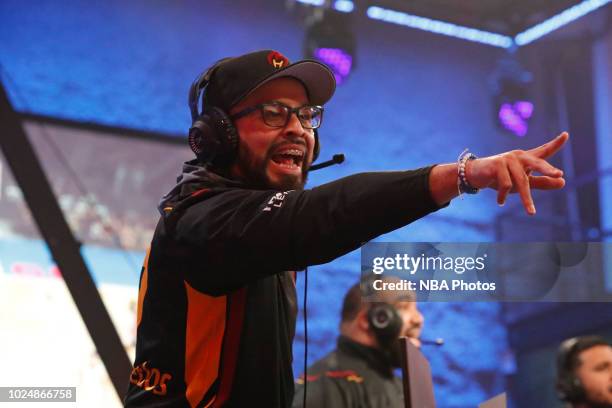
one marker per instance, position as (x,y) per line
(436,342)
(336,159)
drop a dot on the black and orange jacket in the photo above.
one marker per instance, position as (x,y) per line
(217,302)
(351,376)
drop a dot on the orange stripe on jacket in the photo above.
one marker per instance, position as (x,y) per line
(142,291)
(231,345)
(204,337)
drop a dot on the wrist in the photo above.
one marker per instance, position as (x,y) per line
(442,183)
(469,173)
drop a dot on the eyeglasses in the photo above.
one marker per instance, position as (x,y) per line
(277,115)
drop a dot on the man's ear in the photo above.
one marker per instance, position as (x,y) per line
(362,320)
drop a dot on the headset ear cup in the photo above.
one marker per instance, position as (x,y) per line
(227,137)
(564,388)
(570,389)
(569,385)
(195,139)
(576,393)
(202,140)
(385,322)
(213,138)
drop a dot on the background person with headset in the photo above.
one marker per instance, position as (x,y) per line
(217,303)
(584,372)
(360,371)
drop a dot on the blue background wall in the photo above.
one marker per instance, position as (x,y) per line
(414,99)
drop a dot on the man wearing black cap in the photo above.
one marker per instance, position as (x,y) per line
(217,302)
(584,372)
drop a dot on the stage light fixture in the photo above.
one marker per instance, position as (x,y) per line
(329,39)
(514,117)
(513,105)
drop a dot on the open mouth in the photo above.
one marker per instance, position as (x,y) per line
(289,158)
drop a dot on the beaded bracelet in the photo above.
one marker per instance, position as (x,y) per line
(463,186)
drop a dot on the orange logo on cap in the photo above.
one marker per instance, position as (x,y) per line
(277,60)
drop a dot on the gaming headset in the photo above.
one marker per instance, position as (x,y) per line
(385,322)
(213,137)
(569,386)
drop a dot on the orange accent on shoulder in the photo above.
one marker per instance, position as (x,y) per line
(339,374)
(350,375)
(355,378)
(309,378)
(199,192)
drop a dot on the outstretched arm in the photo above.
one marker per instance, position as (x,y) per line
(507,172)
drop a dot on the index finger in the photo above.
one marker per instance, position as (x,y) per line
(550,148)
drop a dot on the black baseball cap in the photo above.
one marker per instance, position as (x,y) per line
(232,79)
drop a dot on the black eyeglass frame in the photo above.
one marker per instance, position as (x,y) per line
(290,111)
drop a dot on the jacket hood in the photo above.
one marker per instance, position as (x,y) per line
(195,176)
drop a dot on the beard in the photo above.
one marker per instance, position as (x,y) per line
(255,174)
(597,404)
(391,350)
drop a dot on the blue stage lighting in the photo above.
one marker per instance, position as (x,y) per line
(439,27)
(345,6)
(312,2)
(559,20)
